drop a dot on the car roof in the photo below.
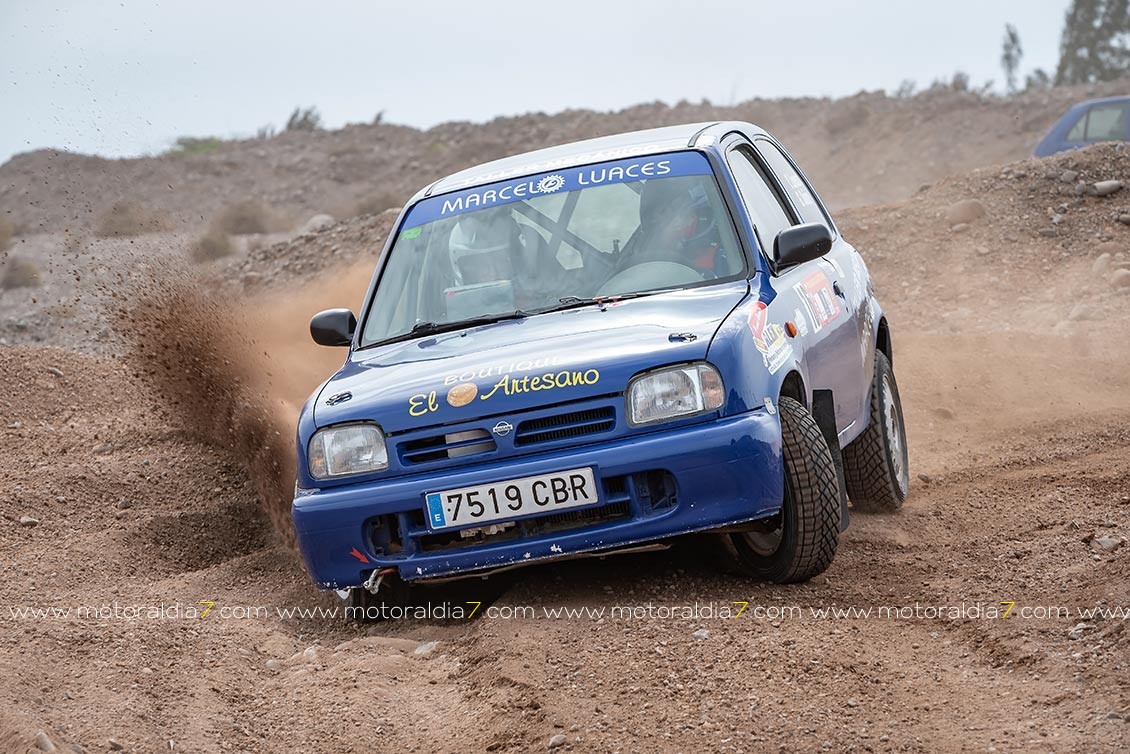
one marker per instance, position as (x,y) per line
(1101,101)
(617,146)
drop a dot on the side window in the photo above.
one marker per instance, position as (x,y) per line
(1100,123)
(1106,123)
(1079,130)
(765,208)
(802,198)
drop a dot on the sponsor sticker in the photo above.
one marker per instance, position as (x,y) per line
(462,394)
(859,275)
(569,179)
(819,299)
(801,322)
(801,195)
(868,331)
(463,389)
(769,338)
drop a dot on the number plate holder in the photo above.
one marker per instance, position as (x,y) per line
(464,507)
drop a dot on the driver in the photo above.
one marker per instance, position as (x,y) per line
(678,224)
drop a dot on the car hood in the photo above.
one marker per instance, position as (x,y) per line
(519,364)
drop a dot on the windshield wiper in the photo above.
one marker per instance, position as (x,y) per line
(434,328)
(573,302)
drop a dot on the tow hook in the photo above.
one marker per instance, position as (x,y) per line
(373,584)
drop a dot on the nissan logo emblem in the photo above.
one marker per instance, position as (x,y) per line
(503,428)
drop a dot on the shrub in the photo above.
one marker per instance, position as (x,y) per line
(187,146)
(308,119)
(129,219)
(20,273)
(243,218)
(211,246)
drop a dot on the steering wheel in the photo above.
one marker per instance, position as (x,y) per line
(648,276)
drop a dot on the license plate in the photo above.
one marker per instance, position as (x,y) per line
(514,498)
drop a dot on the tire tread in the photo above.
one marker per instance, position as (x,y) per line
(870,481)
(816,491)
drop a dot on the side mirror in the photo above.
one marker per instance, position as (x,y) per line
(333,327)
(802,243)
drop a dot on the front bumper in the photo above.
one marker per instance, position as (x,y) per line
(658,485)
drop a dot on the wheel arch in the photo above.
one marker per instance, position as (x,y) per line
(792,386)
(883,339)
(823,409)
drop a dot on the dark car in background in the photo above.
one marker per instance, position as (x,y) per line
(1088,123)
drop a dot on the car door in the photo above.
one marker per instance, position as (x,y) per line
(850,282)
(776,200)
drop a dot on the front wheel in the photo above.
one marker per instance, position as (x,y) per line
(800,541)
(875,463)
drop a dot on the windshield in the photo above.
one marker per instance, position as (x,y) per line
(547,241)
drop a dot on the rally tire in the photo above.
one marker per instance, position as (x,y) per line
(808,526)
(875,463)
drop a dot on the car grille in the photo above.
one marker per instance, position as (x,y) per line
(441,447)
(565,426)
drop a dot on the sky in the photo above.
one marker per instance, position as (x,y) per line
(124,78)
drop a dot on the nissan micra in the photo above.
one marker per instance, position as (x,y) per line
(598,346)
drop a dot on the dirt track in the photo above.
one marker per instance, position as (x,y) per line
(1019,415)
(1007,526)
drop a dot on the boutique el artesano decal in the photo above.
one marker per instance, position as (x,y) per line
(500,381)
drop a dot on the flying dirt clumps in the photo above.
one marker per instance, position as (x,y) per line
(192,347)
(126,219)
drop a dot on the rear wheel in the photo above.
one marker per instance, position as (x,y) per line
(875,463)
(800,541)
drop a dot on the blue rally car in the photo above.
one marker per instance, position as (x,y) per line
(594,347)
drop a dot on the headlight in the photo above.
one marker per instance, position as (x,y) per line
(346,450)
(674,392)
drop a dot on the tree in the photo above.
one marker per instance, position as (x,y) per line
(1095,45)
(1011,53)
(1036,80)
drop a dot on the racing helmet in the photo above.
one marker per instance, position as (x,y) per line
(677,210)
(481,246)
